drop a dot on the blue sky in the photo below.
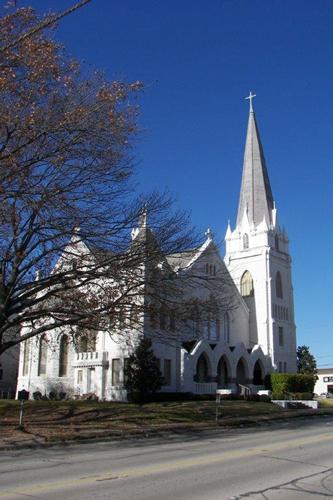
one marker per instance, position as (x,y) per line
(198,60)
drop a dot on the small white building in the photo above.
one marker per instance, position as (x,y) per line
(231,347)
(324,383)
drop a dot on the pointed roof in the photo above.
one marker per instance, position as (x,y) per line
(256,194)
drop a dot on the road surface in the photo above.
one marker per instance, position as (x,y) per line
(290,460)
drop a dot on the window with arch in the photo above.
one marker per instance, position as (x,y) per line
(246,241)
(276,242)
(83,344)
(226,327)
(26,358)
(246,286)
(217,327)
(172,320)
(86,340)
(63,356)
(278,285)
(162,318)
(42,359)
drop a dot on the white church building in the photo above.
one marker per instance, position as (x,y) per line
(238,347)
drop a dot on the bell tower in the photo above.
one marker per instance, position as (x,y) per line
(257,257)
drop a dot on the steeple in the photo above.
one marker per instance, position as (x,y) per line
(256,195)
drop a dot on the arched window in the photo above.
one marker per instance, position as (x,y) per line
(83,344)
(278,285)
(226,327)
(172,320)
(63,356)
(246,286)
(217,328)
(208,324)
(162,319)
(246,241)
(276,242)
(42,360)
(86,340)
(26,357)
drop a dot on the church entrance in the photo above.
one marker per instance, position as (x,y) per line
(258,374)
(202,369)
(222,373)
(241,372)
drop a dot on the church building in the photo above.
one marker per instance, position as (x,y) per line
(236,346)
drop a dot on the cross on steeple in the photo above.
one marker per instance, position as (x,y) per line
(250,97)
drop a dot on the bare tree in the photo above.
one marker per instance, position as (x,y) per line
(67,204)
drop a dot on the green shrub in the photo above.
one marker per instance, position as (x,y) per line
(303,396)
(264,398)
(278,395)
(37,395)
(292,382)
(297,396)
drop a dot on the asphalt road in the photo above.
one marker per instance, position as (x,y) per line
(290,460)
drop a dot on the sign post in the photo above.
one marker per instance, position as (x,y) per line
(218,404)
(22,396)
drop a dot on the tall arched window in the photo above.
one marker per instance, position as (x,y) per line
(278,285)
(246,241)
(246,286)
(42,360)
(276,242)
(26,358)
(218,327)
(162,318)
(226,327)
(63,356)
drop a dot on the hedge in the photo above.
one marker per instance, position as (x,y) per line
(296,396)
(292,382)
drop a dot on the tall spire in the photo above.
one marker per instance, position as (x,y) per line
(256,195)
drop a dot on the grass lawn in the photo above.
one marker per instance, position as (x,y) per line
(326,403)
(53,420)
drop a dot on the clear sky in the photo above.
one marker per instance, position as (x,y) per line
(198,60)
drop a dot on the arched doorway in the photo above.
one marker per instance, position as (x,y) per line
(258,374)
(222,373)
(202,368)
(241,372)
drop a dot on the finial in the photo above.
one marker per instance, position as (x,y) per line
(209,234)
(250,97)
